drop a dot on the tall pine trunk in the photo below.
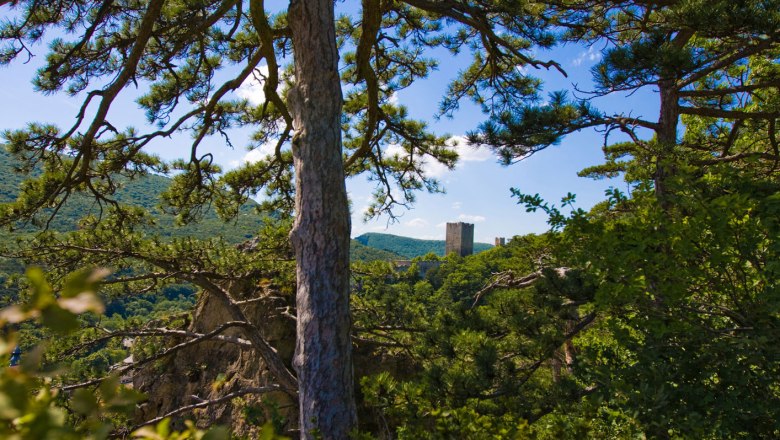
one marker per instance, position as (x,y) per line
(320,235)
(667,139)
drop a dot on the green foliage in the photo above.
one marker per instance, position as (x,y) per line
(481,367)
(57,313)
(30,398)
(162,431)
(662,325)
(33,405)
(686,309)
(266,415)
(655,314)
(684,262)
(689,295)
(528,128)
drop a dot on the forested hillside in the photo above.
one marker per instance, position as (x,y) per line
(361,252)
(143,192)
(409,247)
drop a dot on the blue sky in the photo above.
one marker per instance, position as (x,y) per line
(477,191)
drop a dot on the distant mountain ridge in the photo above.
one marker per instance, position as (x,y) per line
(145,192)
(360,252)
(409,247)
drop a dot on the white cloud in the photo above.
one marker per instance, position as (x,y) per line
(432,167)
(467,153)
(457,205)
(260,153)
(252,88)
(591,55)
(393,99)
(441,225)
(395,150)
(255,155)
(417,223)
(471,218)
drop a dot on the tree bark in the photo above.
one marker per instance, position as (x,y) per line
(320,235)
(667,139)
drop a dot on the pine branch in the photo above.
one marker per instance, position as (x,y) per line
(737,157)
(747,88)
(206,403)
(505,280)
(273,362)
(477,20)
(134,333)
(581,325)
(160,355)
(726,114)
(725,62)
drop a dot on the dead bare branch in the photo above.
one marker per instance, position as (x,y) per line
(206,403)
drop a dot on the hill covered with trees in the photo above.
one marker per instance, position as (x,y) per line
(409,247)
(144,192)
(361,252)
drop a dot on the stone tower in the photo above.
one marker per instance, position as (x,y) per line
(460,239)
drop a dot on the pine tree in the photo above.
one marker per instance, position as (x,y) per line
(98,52)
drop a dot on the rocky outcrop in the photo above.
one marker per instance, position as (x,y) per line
(212,369)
